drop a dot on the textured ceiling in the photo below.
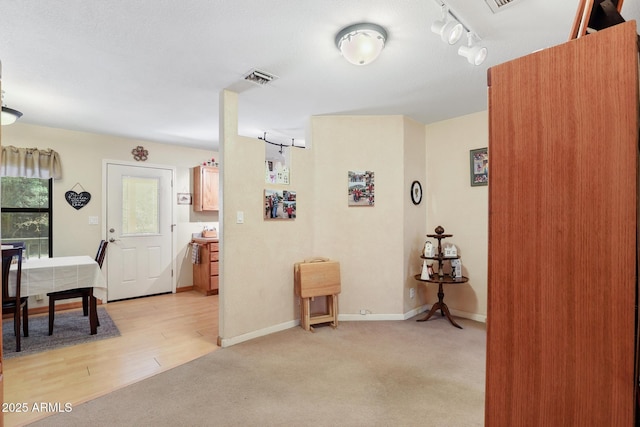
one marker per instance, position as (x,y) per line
(153,69)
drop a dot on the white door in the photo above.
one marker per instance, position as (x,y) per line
(139,230)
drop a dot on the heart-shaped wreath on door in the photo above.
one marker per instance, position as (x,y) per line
(77,200)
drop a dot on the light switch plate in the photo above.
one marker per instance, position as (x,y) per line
(240,217)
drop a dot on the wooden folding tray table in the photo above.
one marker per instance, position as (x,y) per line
(314,278)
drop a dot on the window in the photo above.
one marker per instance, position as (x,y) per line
(140,205)
(26,214)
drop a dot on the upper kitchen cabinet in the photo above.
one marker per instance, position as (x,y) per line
(206,181)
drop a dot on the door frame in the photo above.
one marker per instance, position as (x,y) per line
(105,163)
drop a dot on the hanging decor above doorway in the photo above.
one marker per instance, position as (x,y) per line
(77,200)
(140,154)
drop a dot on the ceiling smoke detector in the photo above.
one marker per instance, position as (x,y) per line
(499,5)
(259,77)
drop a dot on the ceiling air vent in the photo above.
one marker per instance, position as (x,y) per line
(259,77)
(499,5)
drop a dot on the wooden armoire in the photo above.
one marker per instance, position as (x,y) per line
(563,247)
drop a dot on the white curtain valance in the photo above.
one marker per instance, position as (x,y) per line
(30,163)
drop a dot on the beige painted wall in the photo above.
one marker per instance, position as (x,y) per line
(415,216)
(378,248)
(82,155)
(369,242)
(461,209)
(257,257)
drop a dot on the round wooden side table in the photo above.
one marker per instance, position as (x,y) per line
(440,305)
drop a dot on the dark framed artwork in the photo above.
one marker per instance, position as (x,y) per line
(416,192)
(479,159)
(361,188)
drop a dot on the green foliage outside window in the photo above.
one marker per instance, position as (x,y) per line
(25,213)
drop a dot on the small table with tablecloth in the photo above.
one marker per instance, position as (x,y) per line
(44,275)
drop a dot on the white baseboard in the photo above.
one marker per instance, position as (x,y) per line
(369,316)
(457,313)
(228,342)
(471,316)
(409,315)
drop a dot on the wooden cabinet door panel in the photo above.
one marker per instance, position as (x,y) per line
(206,181)
(563,190)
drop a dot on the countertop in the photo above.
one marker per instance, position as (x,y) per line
(205,239)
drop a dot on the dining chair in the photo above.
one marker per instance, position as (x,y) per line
(18,245)
(15,244)
(84,293)
(14,304)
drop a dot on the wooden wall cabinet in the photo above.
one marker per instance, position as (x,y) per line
(563,197)
(206,272)
(206,181)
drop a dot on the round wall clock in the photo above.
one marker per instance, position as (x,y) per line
(416,192)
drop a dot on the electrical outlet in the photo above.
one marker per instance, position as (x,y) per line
(363,311)
(412,293)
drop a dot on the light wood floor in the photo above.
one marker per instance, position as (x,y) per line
(157,334)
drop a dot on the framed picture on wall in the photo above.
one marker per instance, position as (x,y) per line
(416,192)
(479,159)
(279,205)
(184,198)
(361,188)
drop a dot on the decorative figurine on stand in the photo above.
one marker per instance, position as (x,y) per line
(429,250)
(456,268)
(450,250)
(424,275)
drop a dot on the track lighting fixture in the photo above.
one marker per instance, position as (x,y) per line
(449,29)
(278,144)
(475,54)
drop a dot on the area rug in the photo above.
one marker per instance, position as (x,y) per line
(70,328)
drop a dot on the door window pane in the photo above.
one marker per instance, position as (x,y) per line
(140,205)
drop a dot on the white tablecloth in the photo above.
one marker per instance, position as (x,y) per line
(43,275)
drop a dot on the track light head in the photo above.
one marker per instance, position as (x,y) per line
(450,30)
(475,54)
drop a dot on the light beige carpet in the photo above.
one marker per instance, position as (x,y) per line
(386,373)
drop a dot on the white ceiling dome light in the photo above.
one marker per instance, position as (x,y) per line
(9,115)
(362,43)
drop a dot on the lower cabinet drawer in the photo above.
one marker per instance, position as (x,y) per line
(215,268)
(213,282)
